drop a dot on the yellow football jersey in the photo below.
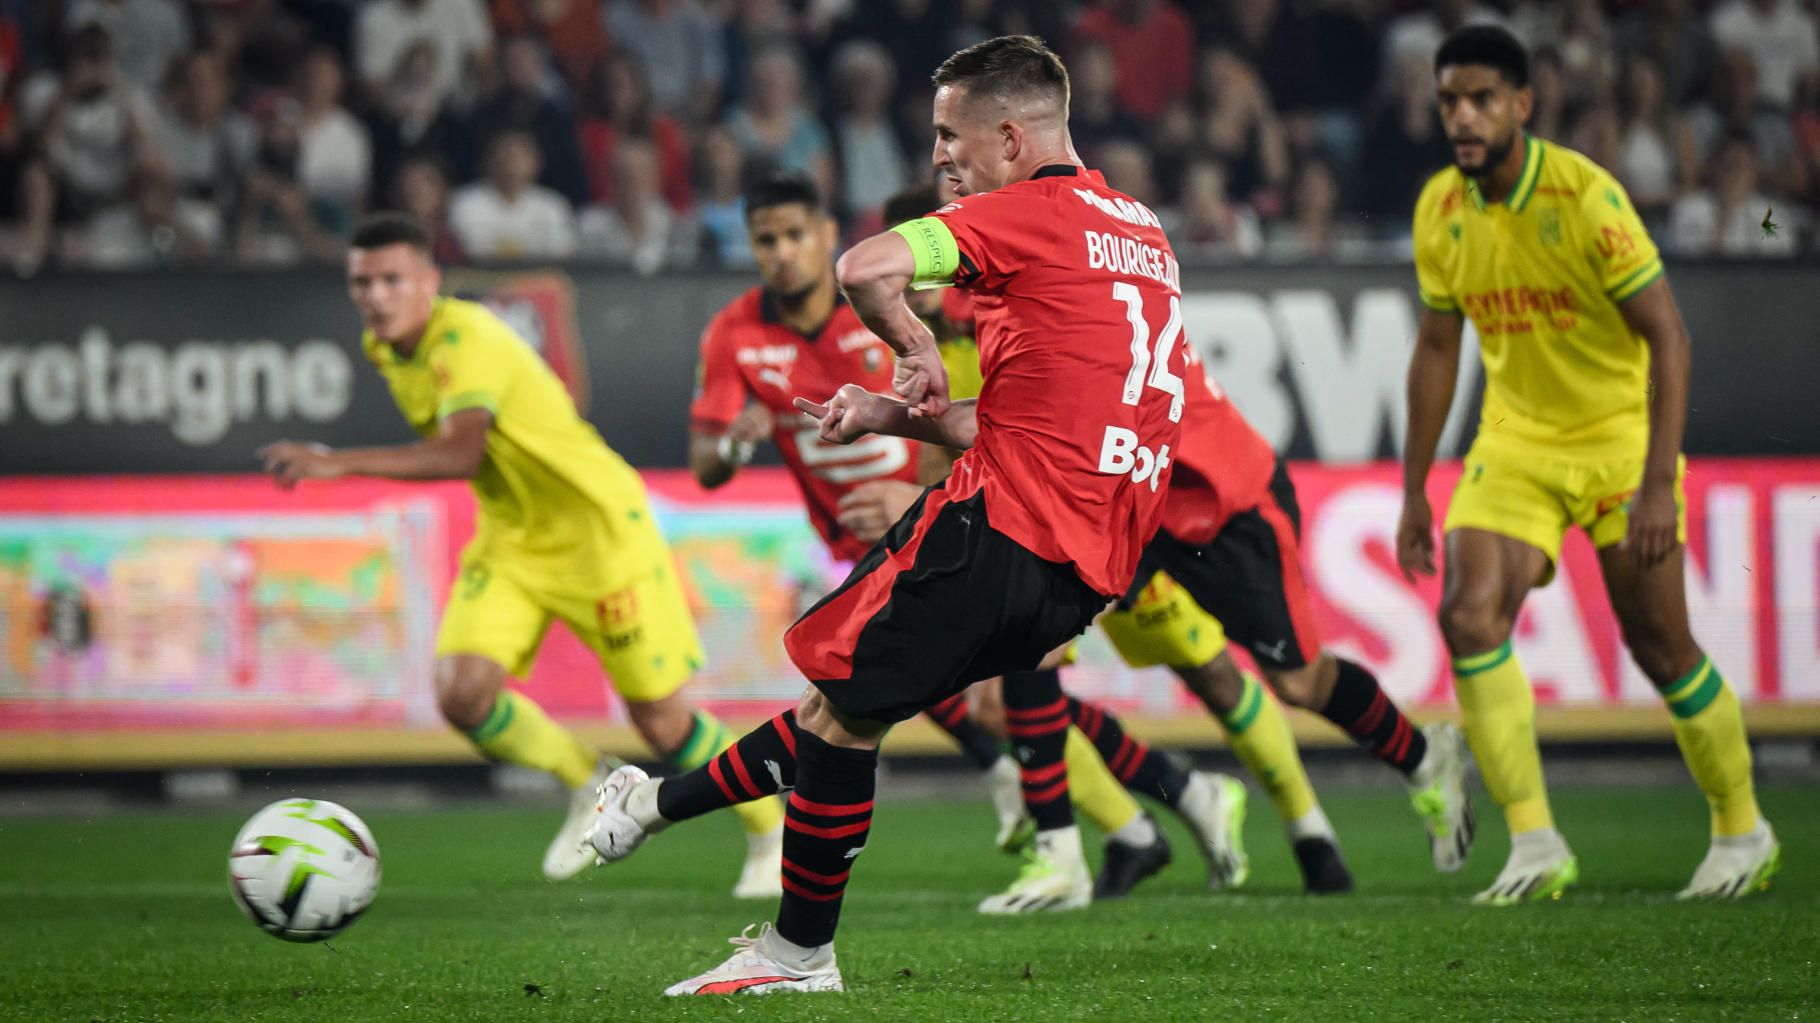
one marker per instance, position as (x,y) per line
(1541,276)
(961,358)
(555,503)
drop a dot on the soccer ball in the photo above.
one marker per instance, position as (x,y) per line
(304,869)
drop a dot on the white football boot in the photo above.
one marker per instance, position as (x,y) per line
(1736,865)
(1054,877)
(1005,783)
(1541,867)
(1213,807)
(614,834)
(762,875)
(568,853)
(1438,792)
(757,968)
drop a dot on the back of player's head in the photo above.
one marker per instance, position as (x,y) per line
(381,230)
(1486,46)
(910,204)
(784,190)
(1006,68)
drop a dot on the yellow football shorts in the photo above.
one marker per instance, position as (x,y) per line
(1536,500)
(1165,626)
(639,627)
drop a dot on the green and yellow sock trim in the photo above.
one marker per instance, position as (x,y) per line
(1250,702)
(497,719)
(705,741)
(1695,691)
(1478,664)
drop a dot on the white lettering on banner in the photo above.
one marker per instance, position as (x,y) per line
(871,457)
(1721,594)
(1350,383)
(1339,540)
(199,388)
(1797,510)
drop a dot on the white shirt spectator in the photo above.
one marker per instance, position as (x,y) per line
(668,240)
(1782,42)
(386,29)
(334,158)
(1420,34)
(537,224)
(148,34)
(120,239)
(90,147)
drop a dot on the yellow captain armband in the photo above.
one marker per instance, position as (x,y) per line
(937,255)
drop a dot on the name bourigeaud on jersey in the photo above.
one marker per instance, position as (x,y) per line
(1116,253)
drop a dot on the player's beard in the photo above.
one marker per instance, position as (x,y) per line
(792,299)
(1494,157)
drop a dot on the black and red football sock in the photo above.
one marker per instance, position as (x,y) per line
(1036,719)
(1140,768)
(762,763)
(826,821)
(1362,707)
(976,744)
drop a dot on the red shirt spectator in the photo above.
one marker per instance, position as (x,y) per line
(616,105)
(572,29)
(1153,45)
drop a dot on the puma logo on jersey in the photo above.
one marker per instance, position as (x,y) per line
(854,852)
(1274,651)
(777,378)
(777,774)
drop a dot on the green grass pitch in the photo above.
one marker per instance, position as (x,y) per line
(127,917)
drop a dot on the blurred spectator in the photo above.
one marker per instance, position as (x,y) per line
(508,215)
(148,34)
(1317,61)
(1678,39)
(1094,116)
(457,30)
(572,30)
(639,230)
(524,102)
(157,225)
(90,128)
(1781,39)
(1656,157)
(1211,224)
(1403,149)
(277,221)
(206,143)
(1153,46)
(722,209)
(774,126)
(681,50)
(754,27)
(334,153)
(1418,34)
(1242,130)
(1734,109)
(1727,217)
(1312,229)
(1578,32)
(916,34)
(1547,80)
(873,166)
(421,189)
(413,117)
(617,105)
(1127,167)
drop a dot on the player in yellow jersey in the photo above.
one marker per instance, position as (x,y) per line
(1586,362)
(564,531)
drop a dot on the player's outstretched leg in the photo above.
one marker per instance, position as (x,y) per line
(1213,805)
(1651,607)
(986,752)
(631,806)
(762,819)
(1258,732)
(510,727)
(1054,876)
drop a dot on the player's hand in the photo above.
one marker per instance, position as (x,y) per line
(1416,538)
(1651,535)
(852,413)
(753,424)
(922,381)
(869,509)
(288,461)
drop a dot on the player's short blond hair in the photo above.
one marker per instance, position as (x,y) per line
(1007,67)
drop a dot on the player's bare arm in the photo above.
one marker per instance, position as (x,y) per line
(1433,368)
(714,458)
(854,412)
(1653,314)
(455,453)
(874,274)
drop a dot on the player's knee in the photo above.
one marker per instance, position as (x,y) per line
(1219,684)
(464,696)
(1663,654)
(1472,624)
(665,724)
(817,716)
(1307,687)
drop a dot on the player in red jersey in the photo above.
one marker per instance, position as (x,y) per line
(792,337)
(1041,523)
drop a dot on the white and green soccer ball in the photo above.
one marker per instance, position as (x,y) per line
(304,869)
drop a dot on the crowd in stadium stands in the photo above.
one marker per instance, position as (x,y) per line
(146,132)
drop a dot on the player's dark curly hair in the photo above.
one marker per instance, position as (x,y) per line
(1006,66)
(1488,46)
(910,204)
(391,228)
(783,190)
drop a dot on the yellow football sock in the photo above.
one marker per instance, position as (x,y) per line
(1498,710)
(1709,728)
(1093,789)
(1259,734)
(707,740)
(517,731)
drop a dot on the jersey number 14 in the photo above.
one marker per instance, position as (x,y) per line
(1121,452)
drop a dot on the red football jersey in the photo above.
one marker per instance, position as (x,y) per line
(1077,299)
(1222,466)
(748,353)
